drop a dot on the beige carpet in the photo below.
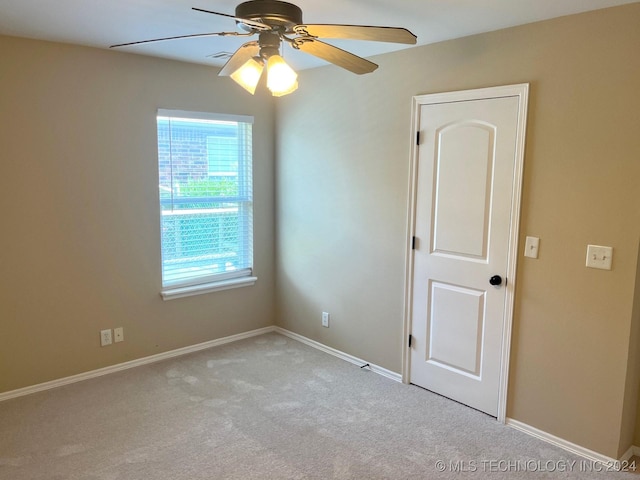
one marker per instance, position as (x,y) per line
(263,408)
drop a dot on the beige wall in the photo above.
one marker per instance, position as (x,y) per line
(631,399)
(633,374)
(80,217)
(343,158)
(637,437)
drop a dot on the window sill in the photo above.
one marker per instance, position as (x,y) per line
(171,293)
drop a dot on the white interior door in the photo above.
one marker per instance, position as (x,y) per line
(466,176)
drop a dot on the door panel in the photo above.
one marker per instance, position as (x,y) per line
(455,325)
(464,161)
(465,182)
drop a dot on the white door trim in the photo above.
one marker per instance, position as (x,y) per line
(522,92)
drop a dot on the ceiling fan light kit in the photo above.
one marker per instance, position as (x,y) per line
(275,22)
(281,79)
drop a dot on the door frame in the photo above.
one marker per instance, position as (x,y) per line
(522,92)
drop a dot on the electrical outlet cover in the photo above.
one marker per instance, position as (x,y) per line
(105,337)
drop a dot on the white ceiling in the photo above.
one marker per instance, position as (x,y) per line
(100,23)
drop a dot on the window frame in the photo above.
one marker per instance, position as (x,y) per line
(221,281)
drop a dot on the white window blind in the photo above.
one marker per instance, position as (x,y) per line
(204,164)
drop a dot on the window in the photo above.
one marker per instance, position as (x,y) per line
(206,209)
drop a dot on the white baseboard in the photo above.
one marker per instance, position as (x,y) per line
(191,349)
(628,454)
(341,355)
(608,462)
(131,364)
(523,427)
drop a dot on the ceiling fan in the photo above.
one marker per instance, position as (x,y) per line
(276,22)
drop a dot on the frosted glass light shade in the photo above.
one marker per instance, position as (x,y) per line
(248,75)
(281,79)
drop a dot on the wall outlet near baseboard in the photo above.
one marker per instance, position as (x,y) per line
(325,319)
(105,337)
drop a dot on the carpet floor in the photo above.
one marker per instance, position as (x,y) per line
(267,407)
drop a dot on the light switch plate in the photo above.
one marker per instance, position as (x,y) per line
(599,257)
(118,334)
(531,247)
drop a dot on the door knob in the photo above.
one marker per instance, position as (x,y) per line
(495,280)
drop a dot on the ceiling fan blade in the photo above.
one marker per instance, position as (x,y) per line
(239,58)
(215,34)
(358,32)
(335,55)
(246,21)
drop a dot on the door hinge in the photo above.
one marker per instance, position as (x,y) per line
(413,243)
(410,340)
(418,137)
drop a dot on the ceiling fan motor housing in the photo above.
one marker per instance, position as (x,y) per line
(269,44)
(271,12)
